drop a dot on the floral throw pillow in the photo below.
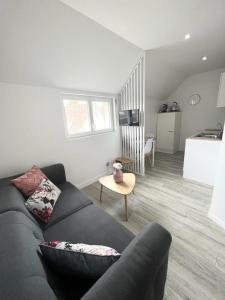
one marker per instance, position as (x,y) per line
(28,182)
(81,260)
(43,200)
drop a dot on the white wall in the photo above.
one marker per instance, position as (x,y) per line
(32,132)
(151,109)
(205,114)
(217,210)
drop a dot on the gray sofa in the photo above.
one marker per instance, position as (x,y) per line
(140,273)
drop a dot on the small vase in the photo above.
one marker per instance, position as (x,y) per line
(117,172)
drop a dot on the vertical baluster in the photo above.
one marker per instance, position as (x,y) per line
(131,128)
(143,123)
(138,129)
(141,109)
(125,128)
(134,129)
(122,130)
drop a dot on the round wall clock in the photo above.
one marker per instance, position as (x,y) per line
(194,99)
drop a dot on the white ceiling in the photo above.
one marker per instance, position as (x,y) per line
(155,23)
(161,77)
(168,66)
(160,26)
(47,43)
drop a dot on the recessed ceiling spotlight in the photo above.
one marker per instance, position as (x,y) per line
(204,58)
(187,36)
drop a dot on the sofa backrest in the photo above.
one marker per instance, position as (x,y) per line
(11,199)
(56,173)
(23,275)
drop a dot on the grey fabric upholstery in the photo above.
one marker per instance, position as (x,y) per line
(17,219)
(20,263)
(90,225)
(12,200)
(139,274)
(56,173)
(70,201)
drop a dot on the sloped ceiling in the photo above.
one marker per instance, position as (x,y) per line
(168,66)
(161,77)
(59,44)
(159,26)
(47,43)
(152,24)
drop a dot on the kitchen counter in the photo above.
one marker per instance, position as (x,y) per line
(201,138)
(204,135)
(200,160)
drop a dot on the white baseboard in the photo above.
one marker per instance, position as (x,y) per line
(217,220)
(90,181)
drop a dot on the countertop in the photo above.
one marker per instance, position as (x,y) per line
(202,138)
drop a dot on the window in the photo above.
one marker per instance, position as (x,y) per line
(101,115)
(77,117)
(87,115)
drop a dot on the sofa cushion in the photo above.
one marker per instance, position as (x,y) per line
(80,260)
(30,288)
(69,201)
(24,273)
(43,200)
(68,287)
(29,181)
(21,265)
(90,225)
(56,173)
(11,199)
(16,218)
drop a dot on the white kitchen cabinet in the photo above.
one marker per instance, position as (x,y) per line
(221,94)
(168,132)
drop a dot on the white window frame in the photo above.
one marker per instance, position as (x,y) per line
(89,99)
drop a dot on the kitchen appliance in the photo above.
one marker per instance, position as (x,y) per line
(163,108)
(175,106)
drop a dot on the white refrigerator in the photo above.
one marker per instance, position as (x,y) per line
(168,132)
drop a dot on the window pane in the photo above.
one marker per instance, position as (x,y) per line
(77,116)
(101,115)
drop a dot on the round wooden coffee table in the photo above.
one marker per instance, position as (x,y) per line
(123,188)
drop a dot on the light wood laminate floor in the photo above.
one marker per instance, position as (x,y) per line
(197,256)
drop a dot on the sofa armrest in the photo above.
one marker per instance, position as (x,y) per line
(141,271)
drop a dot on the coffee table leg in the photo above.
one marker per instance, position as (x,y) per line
(126,212)
(101,193)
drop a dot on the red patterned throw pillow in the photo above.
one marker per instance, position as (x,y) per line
(28,182)
(43,200)
(81,260)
